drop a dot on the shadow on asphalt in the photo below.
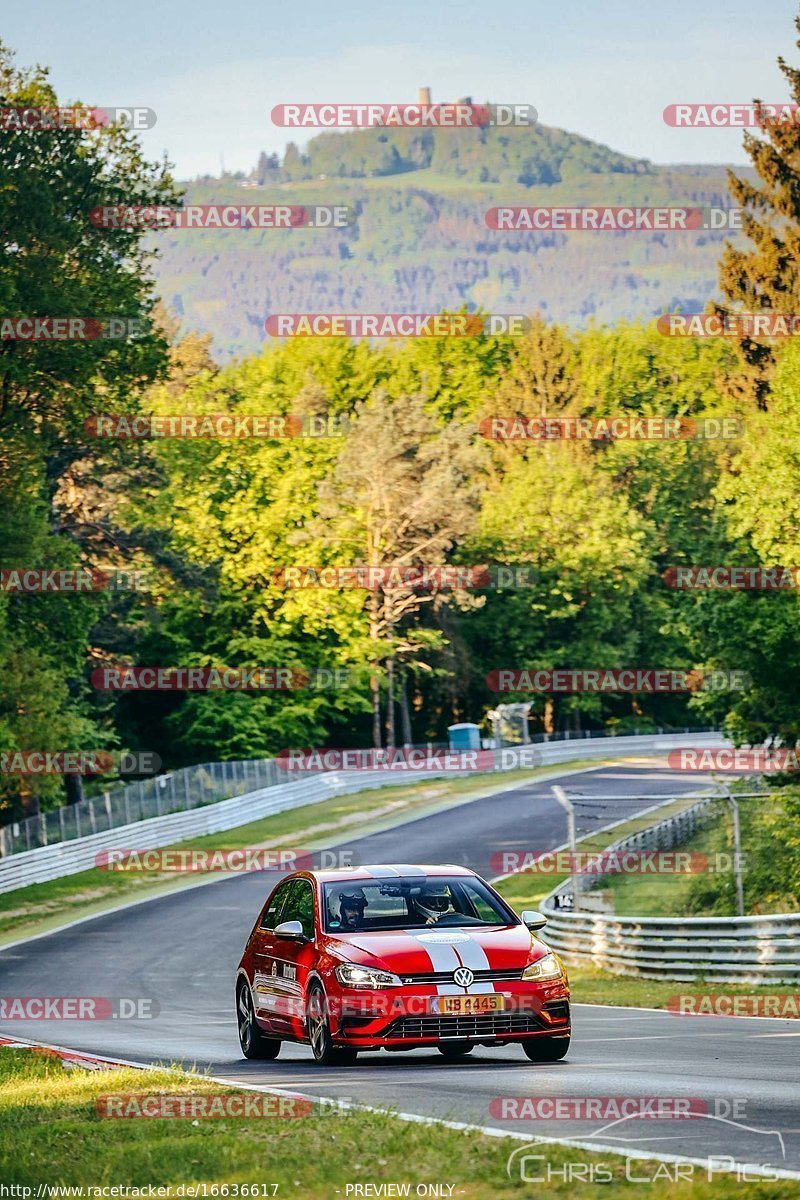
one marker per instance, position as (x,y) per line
(383,1063)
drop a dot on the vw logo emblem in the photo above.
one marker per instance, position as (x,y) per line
(463,977)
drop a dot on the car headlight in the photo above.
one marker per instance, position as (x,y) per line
(354,976)
(546,967)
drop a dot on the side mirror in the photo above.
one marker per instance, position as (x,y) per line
(292,930)
(531,918)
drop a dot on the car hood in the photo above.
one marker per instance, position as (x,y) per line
(423,951)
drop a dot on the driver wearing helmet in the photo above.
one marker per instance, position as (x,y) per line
(351,909)
(433,902)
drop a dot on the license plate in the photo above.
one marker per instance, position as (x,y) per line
(456,1006)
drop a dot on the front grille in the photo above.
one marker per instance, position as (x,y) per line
(487,976)
(477,1025)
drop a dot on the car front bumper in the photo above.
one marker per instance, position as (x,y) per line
(405,1018)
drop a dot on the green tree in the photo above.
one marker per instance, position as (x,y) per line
(760,502)
(403,492)
(587,553)
(56,263)
(766,275)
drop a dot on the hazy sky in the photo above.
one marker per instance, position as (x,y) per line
(603,68)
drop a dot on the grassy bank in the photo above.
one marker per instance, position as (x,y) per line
(527,889)
(771,880)
(51,1113)
(765,823)
(592,986)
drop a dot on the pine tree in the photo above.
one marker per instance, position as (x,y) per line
(766,276)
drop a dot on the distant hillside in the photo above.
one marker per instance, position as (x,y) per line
(526,156)
(420,243)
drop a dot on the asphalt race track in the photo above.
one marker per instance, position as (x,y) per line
(182,951)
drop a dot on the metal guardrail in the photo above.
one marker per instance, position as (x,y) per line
(176,791)
(762,949)
(79,854)
(716,949)
(68,858)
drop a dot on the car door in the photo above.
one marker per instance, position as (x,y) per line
(294,959)
(265,992)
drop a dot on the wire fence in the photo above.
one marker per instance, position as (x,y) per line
(756,949)
(176,791)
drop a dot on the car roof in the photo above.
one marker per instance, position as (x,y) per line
(393,871)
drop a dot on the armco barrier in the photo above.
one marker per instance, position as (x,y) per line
(79,854)
(718,949)
(68,858)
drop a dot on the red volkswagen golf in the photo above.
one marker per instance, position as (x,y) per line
(397,958)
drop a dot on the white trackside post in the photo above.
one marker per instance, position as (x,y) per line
(561,797)
(737,848)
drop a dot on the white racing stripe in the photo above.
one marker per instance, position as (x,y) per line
(442,954)
(474,956)
(456,951)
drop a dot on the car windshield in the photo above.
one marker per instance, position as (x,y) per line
(415,902)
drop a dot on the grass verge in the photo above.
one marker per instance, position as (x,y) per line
(51,1135)
(712,892)
(590,985)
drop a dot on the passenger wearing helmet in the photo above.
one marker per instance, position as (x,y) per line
(351,909)
(433,902)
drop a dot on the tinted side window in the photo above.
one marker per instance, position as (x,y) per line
(300,906)
(473,900)
(272,913)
